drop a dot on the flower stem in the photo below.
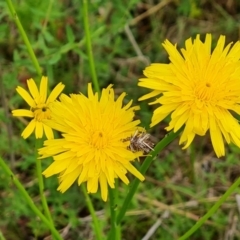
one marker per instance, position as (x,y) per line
(24,37)
(118,227)
(92,212)
(211,211)
(28,199)
(40,182)
(147,162)
(89,46)
(113,204)
(192,160)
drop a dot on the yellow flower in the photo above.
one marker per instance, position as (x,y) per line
(92,149)
(200,89)
(39,107)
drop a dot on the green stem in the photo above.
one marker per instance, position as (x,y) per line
(92,212)
(89,45)
(112,198)
(1,236)
(118,227)
(192,160)
(147,162)
(39,143)
(28,199)
(24,37)
(212,210)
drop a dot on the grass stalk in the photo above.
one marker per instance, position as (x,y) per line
(89,46)
(211,211)
(28,199)
(192,161)
(25,38)
(41,183)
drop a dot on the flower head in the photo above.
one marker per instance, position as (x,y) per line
(200,89)
(92,149)
(39,107)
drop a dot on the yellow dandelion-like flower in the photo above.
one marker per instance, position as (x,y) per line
(201,90)
(39,107)
(92,149)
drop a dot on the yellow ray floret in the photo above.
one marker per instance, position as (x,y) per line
(92,149)
(200,89)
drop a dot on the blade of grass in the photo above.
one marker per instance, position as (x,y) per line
(25,38)
(89,46)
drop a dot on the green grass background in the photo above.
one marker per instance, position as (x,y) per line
(180,185)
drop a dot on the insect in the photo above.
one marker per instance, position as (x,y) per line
(140,141)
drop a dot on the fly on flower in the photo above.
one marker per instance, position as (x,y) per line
(140,141)
(39,107)
(200,89)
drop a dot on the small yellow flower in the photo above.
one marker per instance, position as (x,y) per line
(39,107)
(200,89)
(92,149)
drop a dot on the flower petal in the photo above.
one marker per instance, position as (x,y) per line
(39,130)
(68,180)
(22,113)
(29,129)
(48,132)
(104,187)
(43,89)
(26,96)
(33,88)
(55,92)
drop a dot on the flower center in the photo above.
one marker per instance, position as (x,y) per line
(99,140)
(41,112)
(208,84)
(204,93)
